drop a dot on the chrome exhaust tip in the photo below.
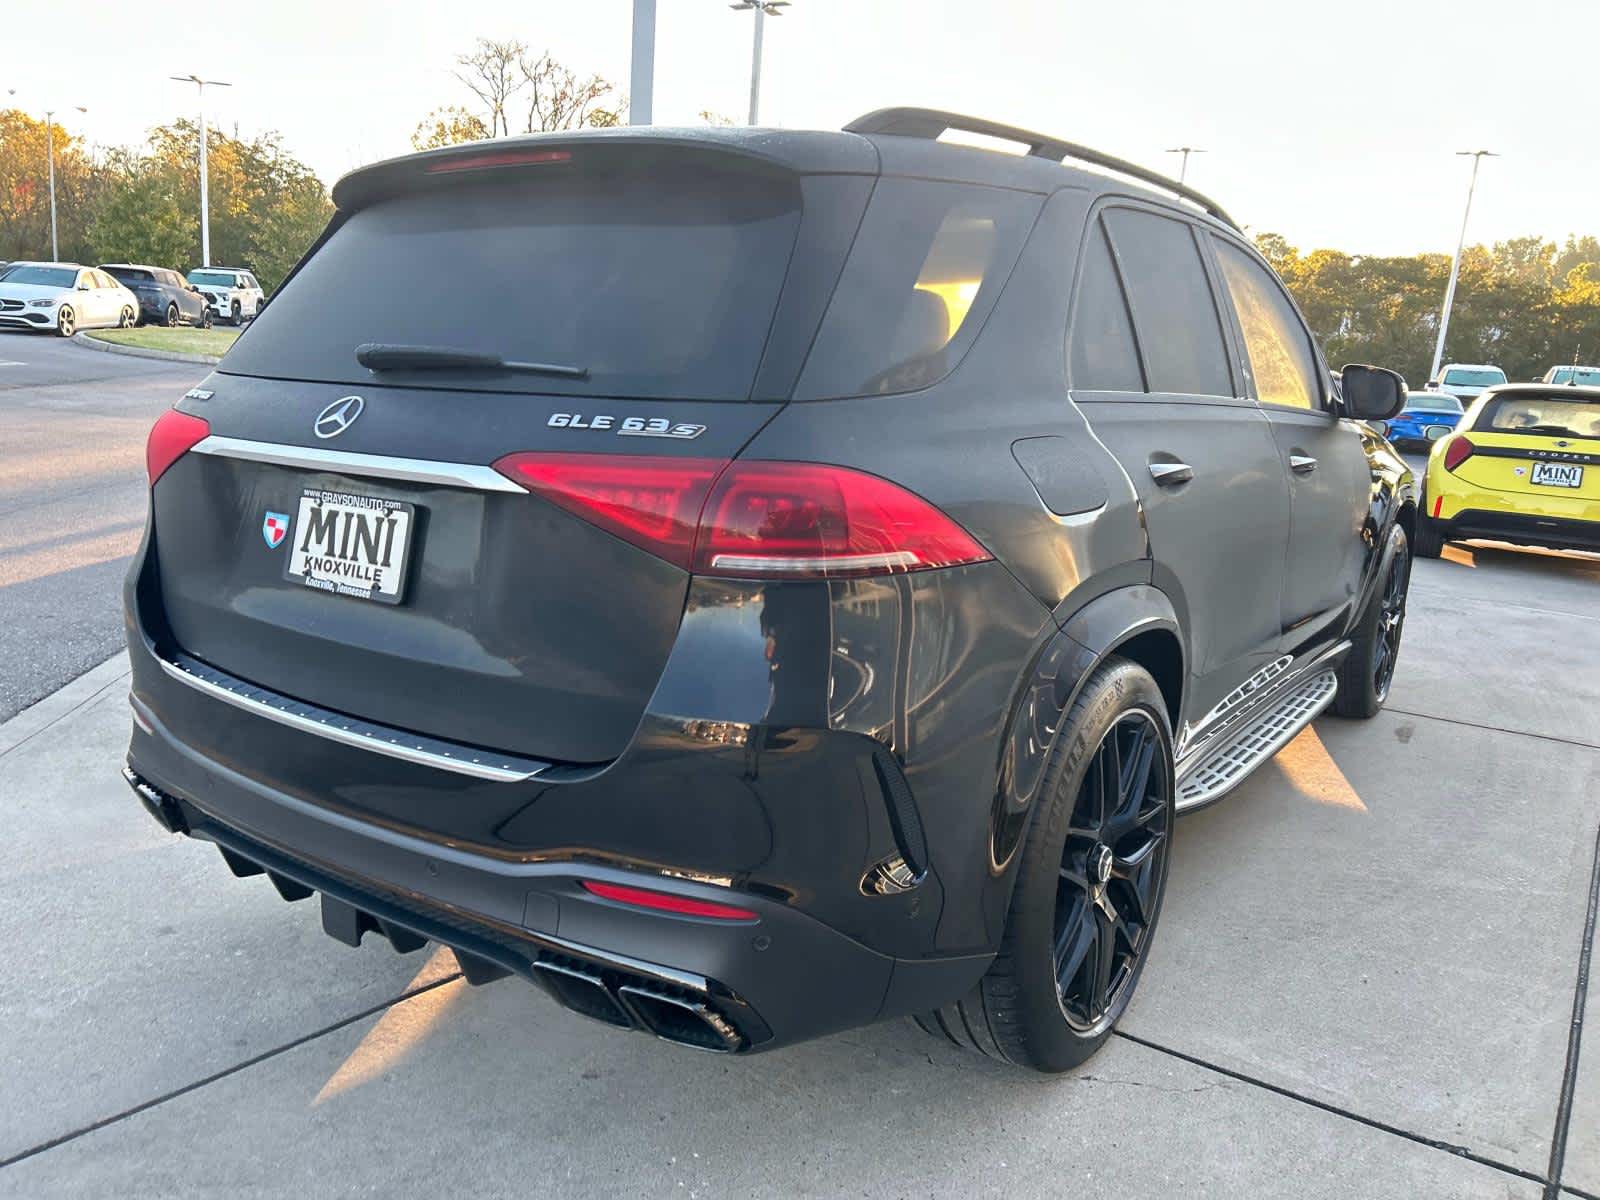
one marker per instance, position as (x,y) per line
(584,992)
(683,1021)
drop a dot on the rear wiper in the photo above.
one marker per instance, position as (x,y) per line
(378,357)
(1548,430)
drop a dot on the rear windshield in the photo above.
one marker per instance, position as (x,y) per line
(658,277)
(63,277)
(1433,402)
(1465,377)
(129,274)
(925,269)
(1583,376)
(1553,416)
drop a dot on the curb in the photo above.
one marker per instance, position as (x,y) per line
(62,702)
(94,343)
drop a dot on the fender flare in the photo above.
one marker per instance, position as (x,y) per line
(1085,640)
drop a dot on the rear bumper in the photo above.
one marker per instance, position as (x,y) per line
(735,986)
(777,801)
(1557,533)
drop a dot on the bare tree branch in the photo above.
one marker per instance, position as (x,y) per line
(494,73)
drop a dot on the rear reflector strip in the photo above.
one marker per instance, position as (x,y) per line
(666,902)
(1438,503)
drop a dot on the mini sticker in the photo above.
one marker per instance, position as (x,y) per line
(274,528)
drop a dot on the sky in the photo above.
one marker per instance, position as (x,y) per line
(1334,124)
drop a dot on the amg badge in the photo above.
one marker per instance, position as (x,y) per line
(627,426)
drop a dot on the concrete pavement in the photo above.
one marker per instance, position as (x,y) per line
(72,502)
(1363,986)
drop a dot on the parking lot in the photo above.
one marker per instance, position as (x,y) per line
(1364,984)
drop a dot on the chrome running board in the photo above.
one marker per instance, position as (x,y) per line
(1220,769)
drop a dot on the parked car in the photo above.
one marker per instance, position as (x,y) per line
(232,293)
(1574,374)
(1523,466)
(1465,380)
(760,627)
(165,297)
(64,297)
(1426,418)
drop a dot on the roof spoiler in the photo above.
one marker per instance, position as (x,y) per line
(930,123)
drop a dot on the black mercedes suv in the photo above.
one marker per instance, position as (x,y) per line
(754,583)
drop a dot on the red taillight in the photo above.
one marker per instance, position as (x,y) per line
(498,158)
(770,520)
(652,502)
(667,902)
(1457,452)
(172,436)
(809,521)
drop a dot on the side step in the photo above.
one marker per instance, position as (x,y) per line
(1224,767)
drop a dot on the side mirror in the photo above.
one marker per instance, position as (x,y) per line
(1434,432)
(1372,393)
(1381,428)
(85,287)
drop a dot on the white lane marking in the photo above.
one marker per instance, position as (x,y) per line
(5,362)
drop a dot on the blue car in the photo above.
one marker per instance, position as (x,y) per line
(1423,411)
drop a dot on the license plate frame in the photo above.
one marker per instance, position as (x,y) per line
(355,551)
(1554,474)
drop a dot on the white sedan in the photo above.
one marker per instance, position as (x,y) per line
(63,298)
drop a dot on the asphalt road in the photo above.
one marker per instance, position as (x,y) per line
(72,502)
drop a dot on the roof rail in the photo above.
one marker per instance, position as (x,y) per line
(930,123)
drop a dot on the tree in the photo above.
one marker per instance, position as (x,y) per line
(494,73)
(25,189)
(560,99)
(448,126)
(500,74)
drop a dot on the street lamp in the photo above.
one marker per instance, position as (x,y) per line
(763,9)
(50,154)
(205,213)
(1477,157)
(1183,171)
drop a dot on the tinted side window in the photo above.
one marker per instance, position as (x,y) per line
(1173,308)
(1104,355)
(927,265)
(1278,346)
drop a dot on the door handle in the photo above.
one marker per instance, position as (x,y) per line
(1302,464)
(1170,474)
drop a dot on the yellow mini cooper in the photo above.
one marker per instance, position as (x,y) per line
(1523,466)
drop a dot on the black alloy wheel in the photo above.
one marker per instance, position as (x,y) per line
(1391,622)
(172,316)
(1112,869)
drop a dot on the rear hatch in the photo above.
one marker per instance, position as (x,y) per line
(1538,444)
(365,557)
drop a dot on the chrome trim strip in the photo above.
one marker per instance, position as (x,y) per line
(695,983)
(348,737)
(374,466)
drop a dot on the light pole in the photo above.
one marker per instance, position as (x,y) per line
(763,9)
(1183,171)
(642,70)
(50,154)
(205,212)
(1477,157)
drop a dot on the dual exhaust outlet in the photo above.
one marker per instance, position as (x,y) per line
(638,1003)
